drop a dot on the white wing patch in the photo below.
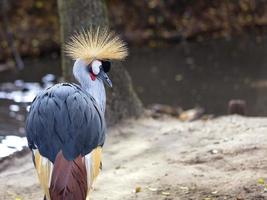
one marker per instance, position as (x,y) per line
(44,170)
(93,164)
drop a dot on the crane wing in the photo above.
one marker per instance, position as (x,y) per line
(65,118)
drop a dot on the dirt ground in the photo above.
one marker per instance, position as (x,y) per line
(165,159)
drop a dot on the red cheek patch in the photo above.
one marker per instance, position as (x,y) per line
(93,77)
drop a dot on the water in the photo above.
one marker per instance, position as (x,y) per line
(11,144)
(17,91)
(206,74)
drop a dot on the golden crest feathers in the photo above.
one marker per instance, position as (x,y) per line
(97,43)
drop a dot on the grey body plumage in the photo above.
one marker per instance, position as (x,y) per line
(65,117)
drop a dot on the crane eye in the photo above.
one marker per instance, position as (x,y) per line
(106,66)
(95,66)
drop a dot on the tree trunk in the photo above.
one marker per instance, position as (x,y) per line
(122,101)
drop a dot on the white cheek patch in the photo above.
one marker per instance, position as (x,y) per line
(96,66)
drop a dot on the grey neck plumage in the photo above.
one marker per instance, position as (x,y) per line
(95,88)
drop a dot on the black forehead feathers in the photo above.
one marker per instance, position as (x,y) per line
(106,65)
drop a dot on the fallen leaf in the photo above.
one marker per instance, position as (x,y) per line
(261,181)
(137,189)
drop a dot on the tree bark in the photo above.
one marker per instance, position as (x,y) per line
(122,101)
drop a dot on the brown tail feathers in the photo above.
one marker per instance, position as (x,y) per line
(69,179)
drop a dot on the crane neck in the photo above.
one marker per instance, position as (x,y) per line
(99,94)
(94,88)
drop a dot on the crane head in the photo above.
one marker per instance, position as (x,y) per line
(94,48)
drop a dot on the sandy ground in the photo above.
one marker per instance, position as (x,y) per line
(165,159)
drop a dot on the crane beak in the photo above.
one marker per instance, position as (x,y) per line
(104,77)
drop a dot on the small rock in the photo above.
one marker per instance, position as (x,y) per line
(214,151)
(237,106)
(165,193)
(152,189)
(118,167)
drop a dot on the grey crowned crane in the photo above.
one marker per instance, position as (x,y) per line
(66,126)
